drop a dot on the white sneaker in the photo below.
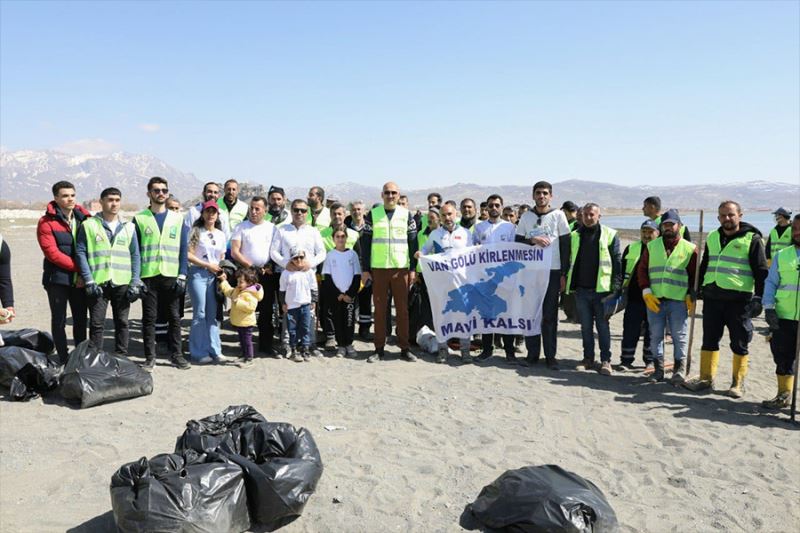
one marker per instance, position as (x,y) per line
(224,359)
(350,351)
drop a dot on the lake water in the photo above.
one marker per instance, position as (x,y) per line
(763,221)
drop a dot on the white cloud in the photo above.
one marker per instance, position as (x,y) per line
(89,146)
(149,128)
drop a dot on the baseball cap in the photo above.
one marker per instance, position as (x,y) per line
(782,212)
(671,216)
(649,224)
(210,204)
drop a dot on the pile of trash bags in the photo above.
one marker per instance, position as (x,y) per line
(541,498)
(90,377)
(229,471)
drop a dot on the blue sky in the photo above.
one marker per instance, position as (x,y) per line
(423,93)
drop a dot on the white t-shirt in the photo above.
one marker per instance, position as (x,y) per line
(460,237)
(551,225)
(256,240)
(210,246)
(298,286)
(341,267)
(501,231)
(305,237)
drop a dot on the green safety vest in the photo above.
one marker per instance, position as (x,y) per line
(327,238)
(389,238)
(287,220)
(109,260)
(658,223)
(776,244)
(631,258)
(668,276)
(323,220)
(729,267)
(572,224)
(422,238)
(423,223)
(786,304)
(160,251)
(235,216)
(605,267)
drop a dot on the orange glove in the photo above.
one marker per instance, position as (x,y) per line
(651,301)
(689,303)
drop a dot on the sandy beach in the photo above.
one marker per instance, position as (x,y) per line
(421,439)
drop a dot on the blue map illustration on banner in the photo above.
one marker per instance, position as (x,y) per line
(481,296)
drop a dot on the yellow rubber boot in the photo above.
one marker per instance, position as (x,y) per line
(784,396)
(739,373)
(709,361)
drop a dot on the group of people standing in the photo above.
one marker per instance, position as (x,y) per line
(292,266)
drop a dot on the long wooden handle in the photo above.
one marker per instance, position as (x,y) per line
(696,286)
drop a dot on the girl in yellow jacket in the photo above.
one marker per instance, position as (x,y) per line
(244,301)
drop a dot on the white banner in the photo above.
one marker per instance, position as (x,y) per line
(493,288)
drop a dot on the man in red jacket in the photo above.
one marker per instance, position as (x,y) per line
(56,234)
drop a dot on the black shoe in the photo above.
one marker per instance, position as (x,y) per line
(267,351)
(530,361)
(406,354)
(377,356)
(552,364)
(484,356)
(181,362)
(511,359)
(149,364)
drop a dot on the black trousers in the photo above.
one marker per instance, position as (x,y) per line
(327,304)
(721,314)
(549,321)
(58,296)
(487,342)
(633,321)
(159,289)
(265,309)
(783,345)
(120,306)
(365,306)
(344,322)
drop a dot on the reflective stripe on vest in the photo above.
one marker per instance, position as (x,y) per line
(109,260)
(776,243)
(786,297)
(327,238)
(631,258)
(729,267)
(160,250)
(604,266)
(668,276)
(389,238)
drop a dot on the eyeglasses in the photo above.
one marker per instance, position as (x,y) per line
(299,210)
(159,190)
(390,193)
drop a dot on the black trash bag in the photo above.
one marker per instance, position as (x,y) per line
(208,433)
(538,499)
(281,464)
(180,493)
(32,339)
(94,377)
(27,373)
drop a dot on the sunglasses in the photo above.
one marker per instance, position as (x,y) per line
(299,210)
(159,190)
(494,205)
(390,193)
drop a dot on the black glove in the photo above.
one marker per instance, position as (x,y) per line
(754,308)
(133,293)
(179,287)
(94,291)
(772,319)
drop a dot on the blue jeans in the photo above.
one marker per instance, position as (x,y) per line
(591,314)
(299,325)
(674,313)
(204,338)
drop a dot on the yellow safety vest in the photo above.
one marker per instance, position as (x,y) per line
(160,250)
(786,305)
(729,267)
(389,238)
(109,260)
(605,267)
(668,276)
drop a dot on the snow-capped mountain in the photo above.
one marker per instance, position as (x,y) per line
(27,175)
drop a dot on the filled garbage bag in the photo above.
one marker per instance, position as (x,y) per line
(541,499)
(180,493)
(27,373)
(93,376)
(426,339)
(281,464)
(32,339)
